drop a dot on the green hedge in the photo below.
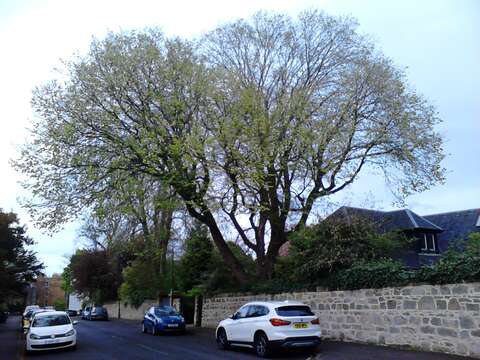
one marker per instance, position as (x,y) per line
(452,268)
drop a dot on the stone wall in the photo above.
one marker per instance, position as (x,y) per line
(127,311)
(430,318)
(131,313)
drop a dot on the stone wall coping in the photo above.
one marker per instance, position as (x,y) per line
(323,291)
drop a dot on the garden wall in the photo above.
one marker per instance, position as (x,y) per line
(431,318)
(131,313)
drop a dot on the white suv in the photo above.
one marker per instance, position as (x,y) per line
(269,325)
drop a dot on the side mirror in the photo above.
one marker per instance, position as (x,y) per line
(75,322)
(234,316)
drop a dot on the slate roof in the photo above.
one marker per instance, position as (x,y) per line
(404,219)
(450,226)
(457,225)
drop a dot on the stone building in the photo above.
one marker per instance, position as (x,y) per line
(432,234)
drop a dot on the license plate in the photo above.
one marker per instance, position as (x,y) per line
(300,325)
(172,325)
(50,341)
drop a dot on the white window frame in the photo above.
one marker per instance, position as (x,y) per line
(425,244)
(433,242)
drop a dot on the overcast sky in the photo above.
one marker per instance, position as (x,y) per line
(438,42)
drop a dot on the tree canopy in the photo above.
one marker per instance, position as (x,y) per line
(18,264)
(250,126)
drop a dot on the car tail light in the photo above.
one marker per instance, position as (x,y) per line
(279,322)
(315,321)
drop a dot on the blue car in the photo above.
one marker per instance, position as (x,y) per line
(162,319)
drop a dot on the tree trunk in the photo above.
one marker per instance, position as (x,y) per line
(222,246)
(277,239)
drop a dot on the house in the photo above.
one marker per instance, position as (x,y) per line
(46,291)
(434,233)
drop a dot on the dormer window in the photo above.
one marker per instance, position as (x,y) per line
(429,242)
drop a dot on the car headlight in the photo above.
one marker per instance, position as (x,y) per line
(35,336)
(160,321)
(70,333)
(182,319)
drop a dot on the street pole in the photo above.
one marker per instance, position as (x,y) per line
(172,278)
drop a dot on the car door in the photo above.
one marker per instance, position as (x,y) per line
(150,318)
(253,321)
(234,330)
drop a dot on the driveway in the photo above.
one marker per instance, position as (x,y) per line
(122,340)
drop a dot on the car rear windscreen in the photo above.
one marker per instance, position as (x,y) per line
(294,310)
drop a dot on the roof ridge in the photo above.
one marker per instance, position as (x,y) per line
(431,222)
(360,208)
(409,213)
(451,212)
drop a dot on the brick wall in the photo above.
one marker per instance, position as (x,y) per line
(431,318)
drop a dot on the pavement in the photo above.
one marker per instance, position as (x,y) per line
(123,340)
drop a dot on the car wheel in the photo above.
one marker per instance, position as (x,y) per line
(222,340)
(262,348)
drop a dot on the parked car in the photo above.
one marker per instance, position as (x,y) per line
(72,313)
(29,317)
(27,309)
(51,330)
(162,319)
(86,312)
(267,326)
(3,316)
(98,313)
(30,307)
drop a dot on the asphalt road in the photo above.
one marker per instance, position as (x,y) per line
(123,340)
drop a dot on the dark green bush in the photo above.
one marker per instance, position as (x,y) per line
(453,267)
(319,251)
(371,274)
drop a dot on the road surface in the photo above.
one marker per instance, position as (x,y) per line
(123,340)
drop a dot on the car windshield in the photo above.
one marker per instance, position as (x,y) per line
(31,313)
(165,311)
(51,320)
(297,310)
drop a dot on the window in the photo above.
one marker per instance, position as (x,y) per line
(257,310)
(51,320)
(242,313)
(429,242)
(296,310)
(165,311)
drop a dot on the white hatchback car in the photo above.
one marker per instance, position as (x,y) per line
(267,326)
(51,330)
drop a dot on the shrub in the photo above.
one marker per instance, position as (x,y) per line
(60,305)
(371,274)
(453,267)
(318,251)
